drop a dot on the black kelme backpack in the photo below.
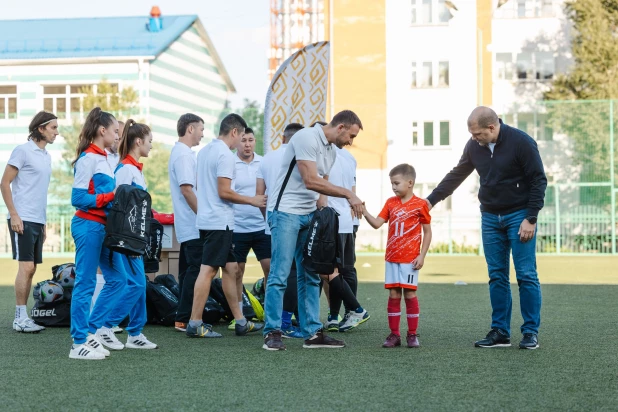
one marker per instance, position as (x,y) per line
(321,247)
(152,257)
(128,222)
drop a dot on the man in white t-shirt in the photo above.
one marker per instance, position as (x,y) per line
(24,186)
(249,225)
(266,178)
(182,168)
(215,219)
(343,173)
(305,167)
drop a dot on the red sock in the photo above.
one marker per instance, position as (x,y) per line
(394,315)
(412,312)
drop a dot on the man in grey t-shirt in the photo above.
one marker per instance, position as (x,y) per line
(289,218)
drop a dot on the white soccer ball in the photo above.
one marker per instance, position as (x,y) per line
(48,291)
(65,275)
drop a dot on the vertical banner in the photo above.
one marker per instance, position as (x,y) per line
(297,93)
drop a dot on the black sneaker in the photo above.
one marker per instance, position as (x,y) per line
(249,327)
(273,341)
(320,340)
(494,339)
(530,341)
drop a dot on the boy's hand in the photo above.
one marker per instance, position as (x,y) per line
(418,263)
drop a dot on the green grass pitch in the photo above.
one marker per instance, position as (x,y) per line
(576,367)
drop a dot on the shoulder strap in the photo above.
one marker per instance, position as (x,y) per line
(285,182)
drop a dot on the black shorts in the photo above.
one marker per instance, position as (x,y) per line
(347,254)
(190,254)
(218,247)
(258,241)
(28,247)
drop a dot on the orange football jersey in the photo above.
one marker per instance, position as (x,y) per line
(404,228)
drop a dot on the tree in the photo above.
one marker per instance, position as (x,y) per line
(253,114)
(595,52)
(107,96)
(157,177)
(593,76)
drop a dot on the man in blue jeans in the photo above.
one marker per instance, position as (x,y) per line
(302,186)
(512,191)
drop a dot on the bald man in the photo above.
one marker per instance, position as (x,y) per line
(512,191)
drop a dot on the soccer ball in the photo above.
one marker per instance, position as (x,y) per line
(65,275)
(48,291)
(258,290)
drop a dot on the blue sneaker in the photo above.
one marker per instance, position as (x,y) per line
(291,332)
(202,331)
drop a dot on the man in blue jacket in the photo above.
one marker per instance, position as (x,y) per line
(512,190)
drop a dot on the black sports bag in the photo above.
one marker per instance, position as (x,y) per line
(128,222)
(321,246)
(152,257)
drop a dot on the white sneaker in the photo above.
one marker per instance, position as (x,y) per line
(85,352)
(354,320)
(116,329)
(107,337)
(95,344)
(140,342)
(26,325)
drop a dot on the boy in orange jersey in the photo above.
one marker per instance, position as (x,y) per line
(405,214)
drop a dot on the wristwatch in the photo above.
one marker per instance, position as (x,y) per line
(531,219)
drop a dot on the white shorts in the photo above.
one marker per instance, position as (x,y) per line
(400,275)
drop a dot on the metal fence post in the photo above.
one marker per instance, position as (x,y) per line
(612,172)
(558,229)
(450,233)
(61,233)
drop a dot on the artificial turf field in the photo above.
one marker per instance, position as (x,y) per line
(576,367)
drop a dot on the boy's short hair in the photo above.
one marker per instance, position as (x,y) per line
(249,130)
(404,170)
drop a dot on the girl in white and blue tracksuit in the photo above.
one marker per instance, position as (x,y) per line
(92,195)
(136,142)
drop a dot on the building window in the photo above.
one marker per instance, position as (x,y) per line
(427,75)
(443,74)
(504,66)
(67,101)
(423,190)
(428,134)
(544,65)
(521,9)
(525,66)
(444,15)
(434,134)
(8,102)
(536,125)
(429,12)
(445,134)
(423,73)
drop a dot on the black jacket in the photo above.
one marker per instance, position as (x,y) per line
(512,178)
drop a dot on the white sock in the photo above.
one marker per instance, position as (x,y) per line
(21,312)
(240,306)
